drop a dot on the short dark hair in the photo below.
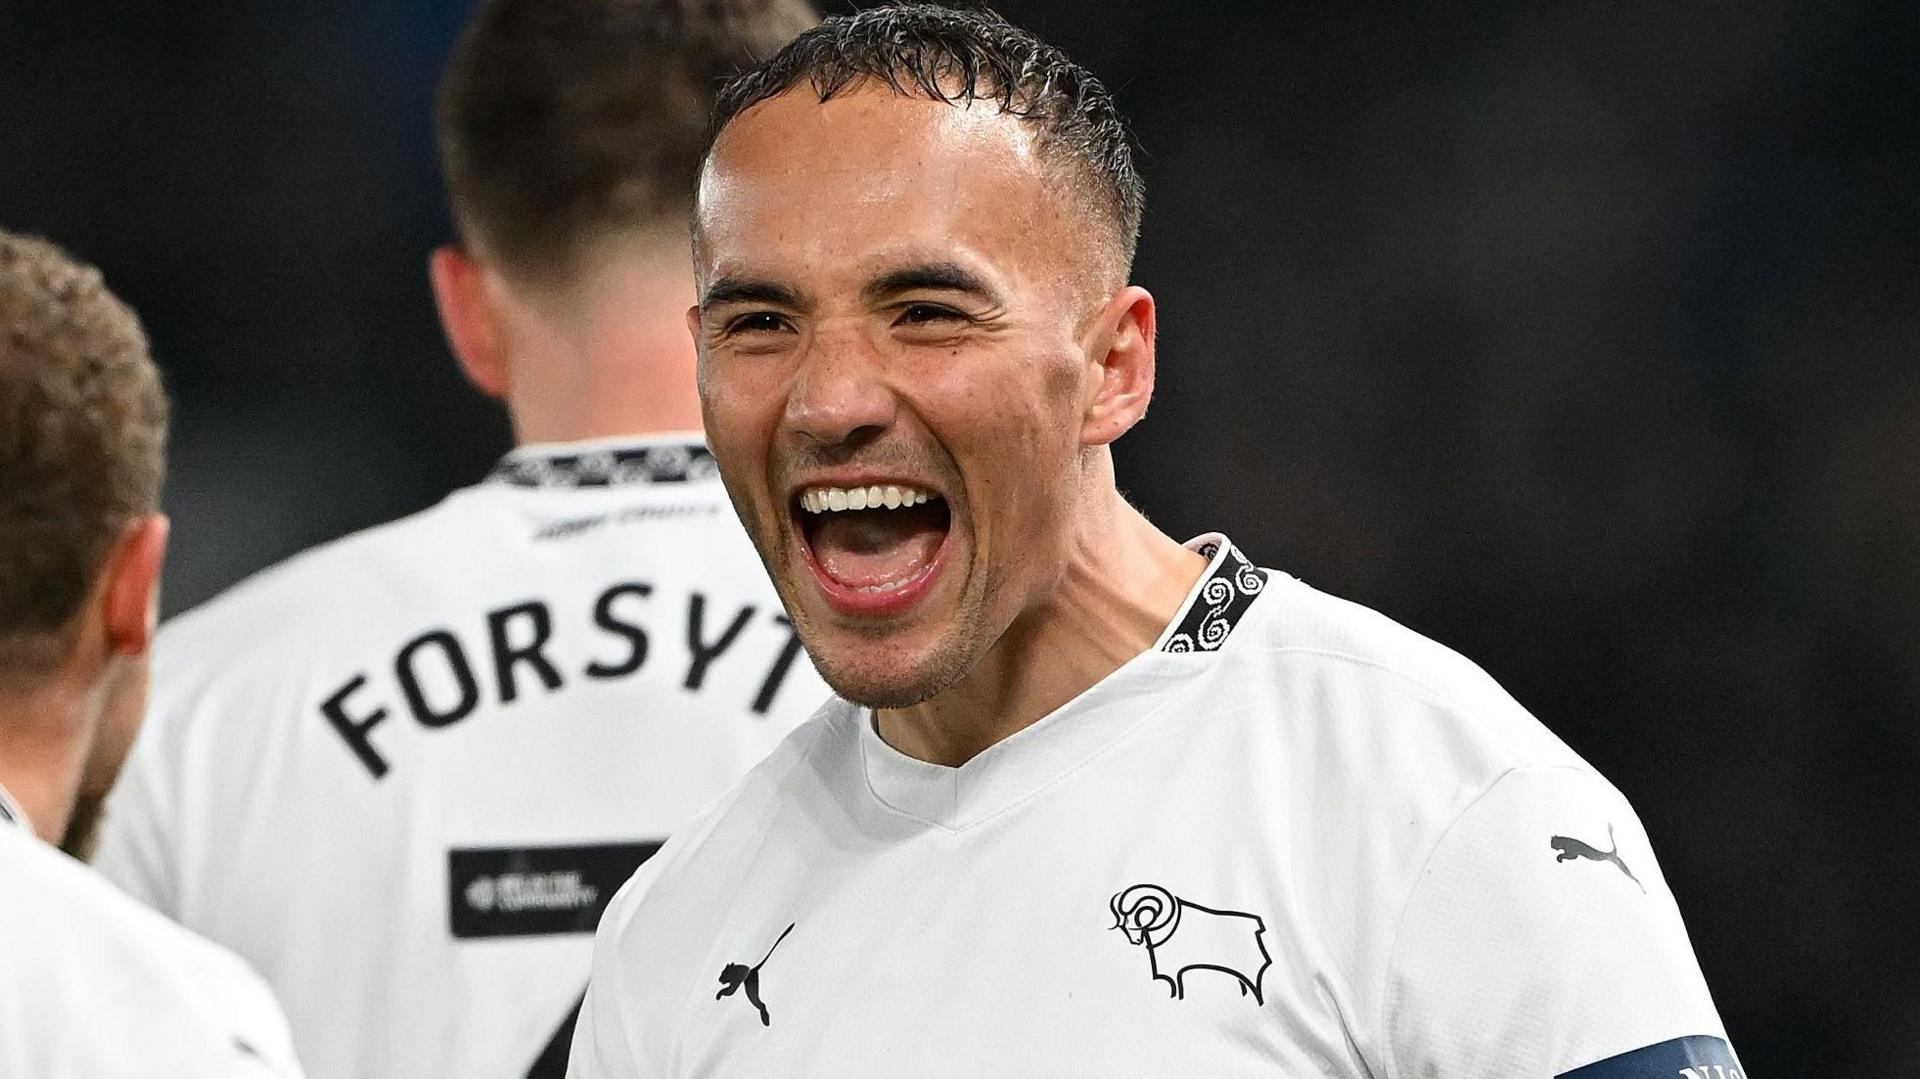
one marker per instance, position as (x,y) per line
(561,120)
(961,56)
(83,427)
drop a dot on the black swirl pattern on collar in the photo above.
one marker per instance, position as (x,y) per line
(1222,598)
(677,462)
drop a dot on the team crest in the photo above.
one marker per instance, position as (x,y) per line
(1180,937)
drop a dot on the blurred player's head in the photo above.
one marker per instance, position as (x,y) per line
(83,424)
(913,234)
(571,132)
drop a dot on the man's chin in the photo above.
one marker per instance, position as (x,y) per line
(891,663)
(883,691)
(884,678)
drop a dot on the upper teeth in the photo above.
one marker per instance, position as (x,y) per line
(833,499)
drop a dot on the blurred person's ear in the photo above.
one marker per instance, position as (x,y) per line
(460,290)
(130,586)
(129,591)
(1122,349)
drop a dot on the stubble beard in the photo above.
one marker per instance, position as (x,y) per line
(865,672)
(861,671)
(83,826)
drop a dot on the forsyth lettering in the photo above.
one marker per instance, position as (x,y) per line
(432,675)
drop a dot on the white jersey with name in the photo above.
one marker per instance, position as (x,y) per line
(404,773)
(1292,839)
(95,986)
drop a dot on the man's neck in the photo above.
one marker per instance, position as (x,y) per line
(609,354)
(597,403)
(41,755)
(1123,583)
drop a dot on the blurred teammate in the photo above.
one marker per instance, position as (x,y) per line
(1091,802)
(404,773)
(92,984)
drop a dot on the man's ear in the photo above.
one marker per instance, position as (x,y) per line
(460,290)
(693,327)
(1123,348)
(130,588)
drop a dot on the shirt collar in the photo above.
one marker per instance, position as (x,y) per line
(1033,757)
(681,457)
(12,814)
(1218,602)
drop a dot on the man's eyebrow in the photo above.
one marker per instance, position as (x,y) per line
(943,276)
(730,289)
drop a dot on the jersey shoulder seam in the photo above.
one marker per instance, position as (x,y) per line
(1389,1048)
(1425,687)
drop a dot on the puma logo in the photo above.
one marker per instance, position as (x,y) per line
(1571,848)
(734,976)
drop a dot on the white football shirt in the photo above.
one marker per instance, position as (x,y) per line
(1292,839)
(95,986)
(404,773)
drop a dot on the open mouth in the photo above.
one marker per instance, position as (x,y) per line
(873,549)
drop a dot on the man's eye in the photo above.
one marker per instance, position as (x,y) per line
(757,322)
(921,314)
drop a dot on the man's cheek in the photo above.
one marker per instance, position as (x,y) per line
(747,505)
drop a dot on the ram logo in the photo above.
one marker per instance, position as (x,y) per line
(1182,936)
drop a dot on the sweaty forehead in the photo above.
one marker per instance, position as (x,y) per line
(797,180)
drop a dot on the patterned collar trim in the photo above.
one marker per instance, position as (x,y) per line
(11,813)
(1220,599)
(1019,766)
(674,461)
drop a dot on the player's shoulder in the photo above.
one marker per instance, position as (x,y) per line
(53,893)
(1304,621)
(798,771)
(666,920)
(787,782)
(337,578)
(86,943)
(1374,679)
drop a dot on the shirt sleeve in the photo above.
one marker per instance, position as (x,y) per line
(603,1041)
(143,1046)
(599,1047)
(1541,939)
(207,1019)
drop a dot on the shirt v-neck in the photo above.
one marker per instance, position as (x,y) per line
(1027,761)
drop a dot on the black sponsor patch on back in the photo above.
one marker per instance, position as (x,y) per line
(536,891)
(1700,1056)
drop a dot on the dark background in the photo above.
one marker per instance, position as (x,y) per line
(1580,337)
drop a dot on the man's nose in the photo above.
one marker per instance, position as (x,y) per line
(840,394)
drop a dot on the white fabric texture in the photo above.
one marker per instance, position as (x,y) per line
(95,986)
(1322,845)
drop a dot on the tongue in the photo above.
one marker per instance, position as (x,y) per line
(862,548)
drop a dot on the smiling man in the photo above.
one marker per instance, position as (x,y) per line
(1089,801)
